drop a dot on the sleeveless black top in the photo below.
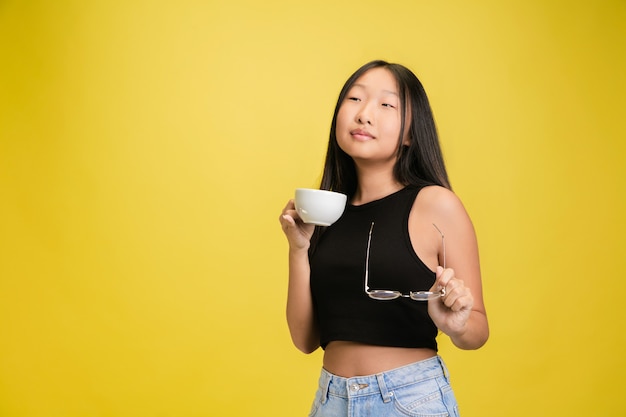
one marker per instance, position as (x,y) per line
(344,311)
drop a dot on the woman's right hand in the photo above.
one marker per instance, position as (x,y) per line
(298,233)
(300,311)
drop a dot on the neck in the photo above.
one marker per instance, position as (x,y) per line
(374,184)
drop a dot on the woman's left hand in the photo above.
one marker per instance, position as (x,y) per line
(451,311)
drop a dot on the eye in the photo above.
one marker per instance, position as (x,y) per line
(352,98)
(389,105)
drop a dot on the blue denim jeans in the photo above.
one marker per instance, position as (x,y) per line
(418,390)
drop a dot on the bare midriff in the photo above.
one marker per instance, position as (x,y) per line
(349,359)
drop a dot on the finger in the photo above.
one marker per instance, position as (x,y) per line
(287,220)
(454,285)
(439,271)
(443,278)
(453,289)
(290,211)
(456,296)
(464,302)
(436,286)
(289,206)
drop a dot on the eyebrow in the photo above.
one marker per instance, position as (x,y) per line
(384,91)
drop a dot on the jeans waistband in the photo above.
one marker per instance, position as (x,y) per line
(383,382)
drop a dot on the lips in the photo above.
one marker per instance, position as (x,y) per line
(361,134)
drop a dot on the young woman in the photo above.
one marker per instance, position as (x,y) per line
(401,264)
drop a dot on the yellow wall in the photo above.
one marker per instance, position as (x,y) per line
(147,148)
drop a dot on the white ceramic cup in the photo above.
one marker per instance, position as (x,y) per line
(319,207)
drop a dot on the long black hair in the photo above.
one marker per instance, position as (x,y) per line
(419,163)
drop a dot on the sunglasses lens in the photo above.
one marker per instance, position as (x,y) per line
(384,294)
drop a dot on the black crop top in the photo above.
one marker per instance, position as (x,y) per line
(344,311)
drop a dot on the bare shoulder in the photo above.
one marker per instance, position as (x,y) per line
(438,199)
(442,206)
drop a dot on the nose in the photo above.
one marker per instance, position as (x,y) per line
(364,115)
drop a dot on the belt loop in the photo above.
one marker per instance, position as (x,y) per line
(324,384)
(444,369)
(383,388)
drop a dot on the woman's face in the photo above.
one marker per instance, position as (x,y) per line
(369,119)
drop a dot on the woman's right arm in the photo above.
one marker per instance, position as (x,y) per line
(300,314)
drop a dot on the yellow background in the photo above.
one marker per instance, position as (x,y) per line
(147,148)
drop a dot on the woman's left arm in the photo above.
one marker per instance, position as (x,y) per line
(460,313)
